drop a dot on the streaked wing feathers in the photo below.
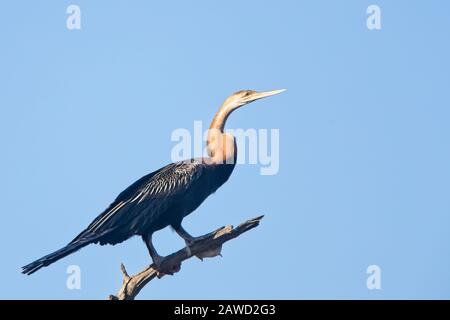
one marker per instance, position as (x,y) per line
(143,201)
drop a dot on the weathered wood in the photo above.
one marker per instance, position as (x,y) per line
(210,246)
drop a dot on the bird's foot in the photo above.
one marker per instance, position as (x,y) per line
(165,267)
(193,240)
(211,253)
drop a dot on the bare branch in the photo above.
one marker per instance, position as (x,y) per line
(210,246)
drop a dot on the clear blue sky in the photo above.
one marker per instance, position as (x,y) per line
(364,161)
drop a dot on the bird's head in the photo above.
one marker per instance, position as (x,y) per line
(222,146)
(243,97)
(237,100)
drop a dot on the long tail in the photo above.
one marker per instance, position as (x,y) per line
(53,257)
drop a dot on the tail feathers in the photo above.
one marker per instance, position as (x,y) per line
(53,257)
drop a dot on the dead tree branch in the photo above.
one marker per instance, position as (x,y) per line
(210,246)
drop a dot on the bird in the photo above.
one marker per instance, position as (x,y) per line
(164,197)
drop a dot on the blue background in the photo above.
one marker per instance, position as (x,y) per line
(364,157)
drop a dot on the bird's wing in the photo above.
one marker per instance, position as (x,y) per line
(144,201)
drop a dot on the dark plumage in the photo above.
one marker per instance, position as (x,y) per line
(160,199)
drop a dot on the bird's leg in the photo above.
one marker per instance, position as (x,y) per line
(191,240)
(185,235)
(159,260)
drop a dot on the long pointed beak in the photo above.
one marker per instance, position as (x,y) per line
(260,95)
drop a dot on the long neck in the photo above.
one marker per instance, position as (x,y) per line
(221,117)
(221,146)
